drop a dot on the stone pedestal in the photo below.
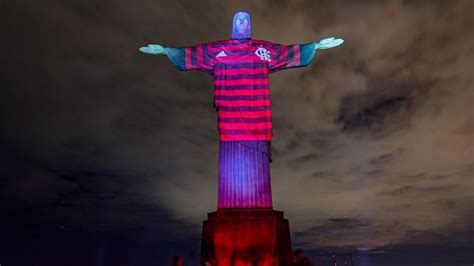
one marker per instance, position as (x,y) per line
(246,237)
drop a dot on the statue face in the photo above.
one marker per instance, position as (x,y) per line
(241,23)
(241,26)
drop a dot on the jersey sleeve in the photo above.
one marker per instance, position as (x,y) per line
(191,58)
(291,56)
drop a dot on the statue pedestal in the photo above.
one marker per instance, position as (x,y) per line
(238,237)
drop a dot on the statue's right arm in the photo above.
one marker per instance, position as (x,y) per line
(155,49)
(175,55)
(184,58)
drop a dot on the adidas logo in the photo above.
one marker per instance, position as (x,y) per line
(221,54)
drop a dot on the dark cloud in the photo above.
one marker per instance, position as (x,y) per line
(369,117)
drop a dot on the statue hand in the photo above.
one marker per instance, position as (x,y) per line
(328,43)
(153,49)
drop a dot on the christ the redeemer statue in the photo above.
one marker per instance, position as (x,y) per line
(240,67)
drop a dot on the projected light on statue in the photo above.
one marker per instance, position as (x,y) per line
(240,67)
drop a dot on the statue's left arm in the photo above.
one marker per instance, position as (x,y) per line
(298,55)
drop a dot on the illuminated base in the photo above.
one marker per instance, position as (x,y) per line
(241,237)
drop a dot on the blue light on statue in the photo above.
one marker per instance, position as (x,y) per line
(241,28)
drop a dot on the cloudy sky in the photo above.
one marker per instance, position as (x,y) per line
(105,150)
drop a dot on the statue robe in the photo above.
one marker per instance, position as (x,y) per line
(241,84)
(240,68)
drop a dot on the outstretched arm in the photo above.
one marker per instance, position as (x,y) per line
(298,55)
(184,58)
(155,49)
(328,43)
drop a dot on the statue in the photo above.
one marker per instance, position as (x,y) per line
(240,67)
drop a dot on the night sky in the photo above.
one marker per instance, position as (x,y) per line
(108,156)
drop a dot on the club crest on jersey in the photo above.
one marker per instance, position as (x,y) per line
(263,53)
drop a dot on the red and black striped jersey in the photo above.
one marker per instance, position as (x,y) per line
(240,68)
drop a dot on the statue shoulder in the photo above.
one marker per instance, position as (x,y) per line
(221,41)
(265,44)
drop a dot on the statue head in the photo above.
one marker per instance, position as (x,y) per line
(241,26)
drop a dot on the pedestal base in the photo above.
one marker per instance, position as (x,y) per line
(246,237)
